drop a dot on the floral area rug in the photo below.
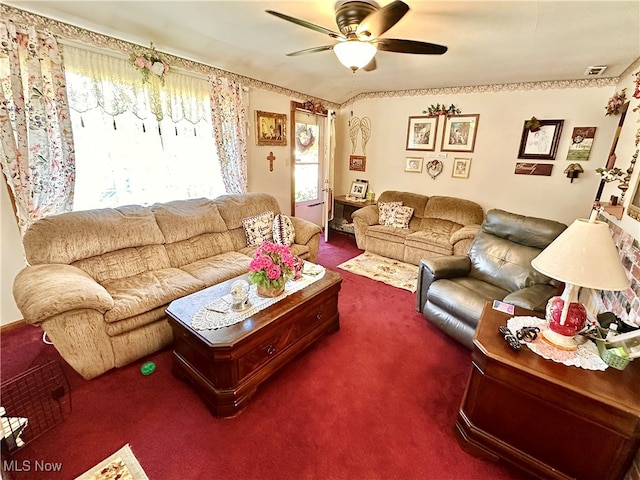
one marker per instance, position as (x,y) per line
(382,269)
(122,465)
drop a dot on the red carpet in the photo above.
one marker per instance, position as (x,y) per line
(376,400)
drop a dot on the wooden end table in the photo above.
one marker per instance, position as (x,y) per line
(552,420)
(343,209)
(227,365)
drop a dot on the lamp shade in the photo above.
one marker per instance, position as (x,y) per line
(355,54)
(584,255)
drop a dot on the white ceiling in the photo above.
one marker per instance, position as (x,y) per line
(490,42)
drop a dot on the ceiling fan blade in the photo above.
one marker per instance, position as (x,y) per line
(310,50)
(306,24)
(383,19)
(408,46)
(371,66)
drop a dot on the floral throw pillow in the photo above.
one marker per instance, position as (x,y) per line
(400,217)
(283,232)
(385,209)
(258,228)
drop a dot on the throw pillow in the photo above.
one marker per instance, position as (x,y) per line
(258,228)
(400,217)
(385,209)
(283,232)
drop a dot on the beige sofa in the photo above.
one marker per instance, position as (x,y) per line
(439,226)
(98,281)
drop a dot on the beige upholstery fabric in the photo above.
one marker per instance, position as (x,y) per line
(49,240)
(100,280)
(439,226)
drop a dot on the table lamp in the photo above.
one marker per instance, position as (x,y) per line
(584,255)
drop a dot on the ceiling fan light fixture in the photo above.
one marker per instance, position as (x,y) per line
(355,54)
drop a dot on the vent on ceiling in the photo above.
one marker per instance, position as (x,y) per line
(595,71)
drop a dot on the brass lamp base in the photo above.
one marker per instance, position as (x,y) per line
(559,341)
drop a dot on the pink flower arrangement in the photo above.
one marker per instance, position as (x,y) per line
(272,265)
(150,61)
(615,102)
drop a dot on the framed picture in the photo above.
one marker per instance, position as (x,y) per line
(413,164)
(460,133)
(271,128)
(581,143)
(634,206)
(543,143)
(357,163)
(421,133)
(358,189)
(461,167)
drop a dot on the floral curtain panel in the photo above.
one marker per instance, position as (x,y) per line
(230,129)
(37,152)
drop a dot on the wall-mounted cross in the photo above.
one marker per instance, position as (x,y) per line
(271,158)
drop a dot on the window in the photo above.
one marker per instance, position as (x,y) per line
(124,155)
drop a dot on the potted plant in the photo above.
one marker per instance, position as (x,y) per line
(272,266)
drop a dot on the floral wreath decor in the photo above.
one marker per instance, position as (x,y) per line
(438,109)
(304,138)
(148,62)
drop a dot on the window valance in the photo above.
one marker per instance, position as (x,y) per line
(113,84)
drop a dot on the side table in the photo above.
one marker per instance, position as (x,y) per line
(546,418)
(342,211)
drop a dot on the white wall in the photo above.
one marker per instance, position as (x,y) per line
(277,182)
(624,151)
(492,182)
(12,260)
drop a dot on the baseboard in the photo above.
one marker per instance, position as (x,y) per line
(10,326)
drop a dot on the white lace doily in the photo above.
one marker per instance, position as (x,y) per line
(219,313)
(586,356)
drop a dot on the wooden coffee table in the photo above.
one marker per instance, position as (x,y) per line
(227,365)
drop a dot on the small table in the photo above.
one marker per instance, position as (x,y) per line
(343,209)
(228,364)
(549,419)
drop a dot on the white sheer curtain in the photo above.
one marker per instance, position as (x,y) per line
(138,143)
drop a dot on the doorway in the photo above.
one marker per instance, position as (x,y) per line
(309,151)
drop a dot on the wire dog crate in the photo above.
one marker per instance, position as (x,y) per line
(40,396)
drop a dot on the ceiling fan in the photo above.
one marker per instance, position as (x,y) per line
(361,22)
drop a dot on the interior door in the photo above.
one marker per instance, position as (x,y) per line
(308,176)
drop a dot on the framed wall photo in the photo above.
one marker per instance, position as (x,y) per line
(358,189)
(413,164)
(461,167)
(357,163)
(421,133)
(271,128)
(460,133)
(634,206)
(543,143)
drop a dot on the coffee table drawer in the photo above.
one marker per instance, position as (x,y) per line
(267,350)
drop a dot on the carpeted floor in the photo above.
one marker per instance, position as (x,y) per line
(376,400)
(383,269)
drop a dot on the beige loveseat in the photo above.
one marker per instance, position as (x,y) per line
(98,281)
(438,226)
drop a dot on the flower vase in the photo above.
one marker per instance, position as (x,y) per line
(268,291)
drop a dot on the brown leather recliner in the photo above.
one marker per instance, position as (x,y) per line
(452,290)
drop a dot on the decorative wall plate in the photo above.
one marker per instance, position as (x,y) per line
(434,168)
